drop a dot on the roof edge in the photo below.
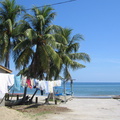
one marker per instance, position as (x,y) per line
(4,68)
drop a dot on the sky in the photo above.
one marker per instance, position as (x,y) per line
(99,23)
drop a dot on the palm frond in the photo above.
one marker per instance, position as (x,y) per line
(76,38)
(23,58)
(22,44)
(8,24)
(30,34)
(80,56)
(72,48)
(76,65)
(53,56)
(61,39)
(66,59)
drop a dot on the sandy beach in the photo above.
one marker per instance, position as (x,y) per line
(79,109)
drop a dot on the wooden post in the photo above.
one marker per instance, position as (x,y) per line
(33,95)
(65,91)
(71,87)
(17,97)
(7,97)
(24,96)
(36,100)
(64,87)
(55,101)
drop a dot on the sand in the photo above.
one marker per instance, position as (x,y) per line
(80,109)
(10,114)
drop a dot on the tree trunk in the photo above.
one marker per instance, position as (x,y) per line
(50,97)
(33,96)
(24,96)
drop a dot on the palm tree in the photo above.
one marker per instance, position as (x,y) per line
(36,46)
(35,53)
(9,12)
(68,52)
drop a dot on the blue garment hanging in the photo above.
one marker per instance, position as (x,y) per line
(17,83)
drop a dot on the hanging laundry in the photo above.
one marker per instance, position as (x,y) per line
(10,79)
(28,81)
(2,95)
(36,82)
(57,83)
(4,82)
(50,86)
(32,83)
(47,90)
(23,81)
(41,85)
(17,83)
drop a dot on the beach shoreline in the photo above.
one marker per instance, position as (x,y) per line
(80,109)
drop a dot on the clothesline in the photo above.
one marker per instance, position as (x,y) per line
(40,84)
(21,81)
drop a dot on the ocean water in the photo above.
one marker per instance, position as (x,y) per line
(96,89)
(87,89)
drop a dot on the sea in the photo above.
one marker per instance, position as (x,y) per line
(86,89)
(96,89)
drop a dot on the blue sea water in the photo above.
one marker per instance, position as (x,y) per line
(96,89)
(88,89)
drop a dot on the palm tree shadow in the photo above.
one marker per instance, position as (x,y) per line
(34,106)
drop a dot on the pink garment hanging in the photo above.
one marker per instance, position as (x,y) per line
(28,81)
